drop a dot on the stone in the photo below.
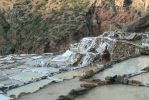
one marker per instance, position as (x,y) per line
(87,75)
(77,92)
(88,85)
(64,98)
(134,82)
(146,69)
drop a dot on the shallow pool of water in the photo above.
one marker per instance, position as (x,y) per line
(26,76)
(68,75)
(3,97)
(116,92)
(30,88)
(144,78)
(129,66)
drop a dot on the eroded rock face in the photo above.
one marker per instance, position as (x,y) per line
(124,49)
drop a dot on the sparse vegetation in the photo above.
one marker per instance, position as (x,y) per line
(41,19)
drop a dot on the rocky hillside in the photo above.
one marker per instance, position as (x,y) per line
(30,25)
(37,26)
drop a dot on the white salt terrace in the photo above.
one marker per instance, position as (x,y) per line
(130,66)
(134,65)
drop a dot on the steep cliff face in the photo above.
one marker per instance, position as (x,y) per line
(37,26)
(114,14)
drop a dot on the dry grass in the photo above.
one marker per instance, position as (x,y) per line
(6,4)
(138,4)
(119,3)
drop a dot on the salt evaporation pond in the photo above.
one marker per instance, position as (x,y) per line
(129,66)
(3,97)
(116,92)
(144,78)
(68,75)
(30,88)
(26,76)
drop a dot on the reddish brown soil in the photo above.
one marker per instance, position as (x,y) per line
(122,17)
